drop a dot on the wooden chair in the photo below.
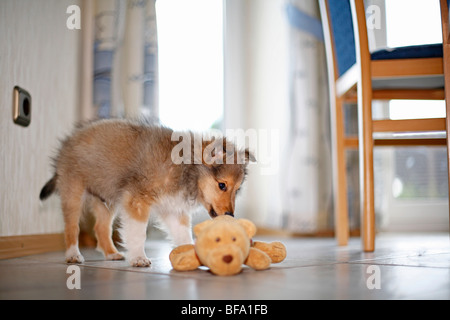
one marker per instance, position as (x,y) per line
(356,75)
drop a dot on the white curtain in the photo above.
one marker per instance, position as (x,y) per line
(125,77)
(276,80)
(307,191)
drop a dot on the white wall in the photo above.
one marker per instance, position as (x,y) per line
(38,53)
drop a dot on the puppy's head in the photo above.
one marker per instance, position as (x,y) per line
(223,172)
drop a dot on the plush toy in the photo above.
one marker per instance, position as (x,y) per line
(223,245)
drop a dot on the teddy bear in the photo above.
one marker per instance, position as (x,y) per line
(223,245)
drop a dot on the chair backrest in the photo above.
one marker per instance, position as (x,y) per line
(445,12)
(340,17)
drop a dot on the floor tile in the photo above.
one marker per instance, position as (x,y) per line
(407,267)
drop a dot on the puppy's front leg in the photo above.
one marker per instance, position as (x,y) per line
(134,231)
(179,227)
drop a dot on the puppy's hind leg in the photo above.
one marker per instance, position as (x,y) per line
(103,230)
(72,195)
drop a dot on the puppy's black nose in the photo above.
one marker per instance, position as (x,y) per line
(228,213)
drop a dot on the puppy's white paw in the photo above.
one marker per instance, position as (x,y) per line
(78,258)
(140,262)
(73,255)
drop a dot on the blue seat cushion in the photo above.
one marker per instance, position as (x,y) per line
(344,41)
(410,52)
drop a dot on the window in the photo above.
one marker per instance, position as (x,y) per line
(190,54)
(412,22)
(413,180)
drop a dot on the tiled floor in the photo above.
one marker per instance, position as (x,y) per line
(407,266)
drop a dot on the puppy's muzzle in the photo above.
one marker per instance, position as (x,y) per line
(214,214)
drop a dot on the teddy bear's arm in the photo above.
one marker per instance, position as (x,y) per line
(275,250)
(184,258)
(257,259)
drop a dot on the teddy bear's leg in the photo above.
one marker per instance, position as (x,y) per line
(184,258)
(275,250)
(258,259)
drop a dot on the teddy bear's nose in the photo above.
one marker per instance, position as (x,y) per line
(228,258)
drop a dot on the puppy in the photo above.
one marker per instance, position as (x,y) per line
(128,169)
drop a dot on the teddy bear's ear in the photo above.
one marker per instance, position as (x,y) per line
(199,227)
(249,227)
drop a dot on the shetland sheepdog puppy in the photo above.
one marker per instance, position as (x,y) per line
(129,169)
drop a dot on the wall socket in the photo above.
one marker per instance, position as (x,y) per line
(21,107)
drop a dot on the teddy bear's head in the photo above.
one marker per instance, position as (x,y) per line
(223,244)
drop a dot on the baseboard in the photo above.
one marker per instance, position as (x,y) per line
(327,233)
(19,246)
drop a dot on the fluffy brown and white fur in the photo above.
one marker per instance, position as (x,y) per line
(124,168)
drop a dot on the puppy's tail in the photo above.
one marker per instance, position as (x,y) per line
(48,189)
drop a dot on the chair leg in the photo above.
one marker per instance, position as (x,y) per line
(341,203)
(446,51)
(364,88)
(366,170)
(447,105)
(368,213)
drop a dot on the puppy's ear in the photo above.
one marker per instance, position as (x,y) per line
(244,156)
(249,156)
(248,226)
(201,226)
(214,152)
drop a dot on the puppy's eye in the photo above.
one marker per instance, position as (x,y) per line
(217,239)
(222,186)
(234,239)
